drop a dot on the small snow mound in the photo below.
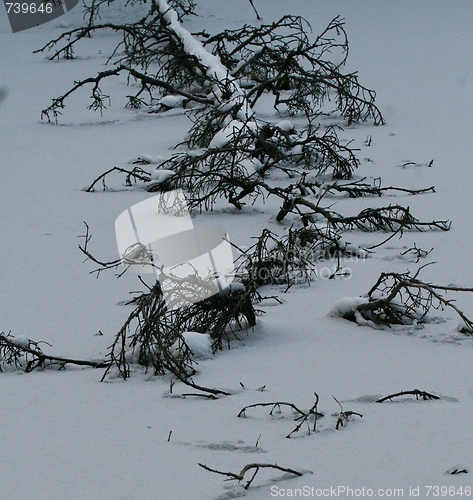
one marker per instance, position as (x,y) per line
(199,343)
(237,286)
(347,305)
(361,253)
(146,160)
(286,126)
(160,176)
(172,101)
(21,341)
(223,137)
(234,287)
(251,165)
(324,187)
(464,328)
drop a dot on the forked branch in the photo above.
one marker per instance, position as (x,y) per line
(344,416)
(303,416)
(257,466)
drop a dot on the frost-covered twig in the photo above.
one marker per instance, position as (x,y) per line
(225,87)
(282,60)
(100,100)
(390,218)
(153,335)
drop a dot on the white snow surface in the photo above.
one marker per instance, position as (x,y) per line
(64,434)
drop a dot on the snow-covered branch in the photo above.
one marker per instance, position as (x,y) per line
(400,299)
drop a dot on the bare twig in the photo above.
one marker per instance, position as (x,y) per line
(344,416)
(418,394)
(240,476)
(303,416)
(418,252)
(135,174)
(258,17)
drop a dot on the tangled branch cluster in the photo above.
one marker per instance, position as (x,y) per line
(153,335)
(279,59)
(174,68)
(399,299)
(283,60)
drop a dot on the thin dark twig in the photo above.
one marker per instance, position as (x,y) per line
(415,392)
(240,476)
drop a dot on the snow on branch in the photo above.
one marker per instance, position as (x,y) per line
(225,87)
(400,299)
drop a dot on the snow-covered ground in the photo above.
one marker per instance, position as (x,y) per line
(66,435)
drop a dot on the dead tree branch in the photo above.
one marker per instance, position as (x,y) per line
(28,355)
(137,174)
(418,394)
(418,253)
(303,416)
(344,416)
(399,298)
(360,188)
(389,218)
(258,17)
(241,475)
